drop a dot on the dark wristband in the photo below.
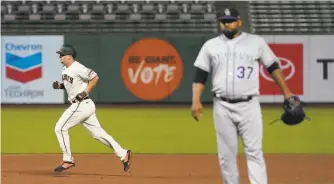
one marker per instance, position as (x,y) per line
(61,86)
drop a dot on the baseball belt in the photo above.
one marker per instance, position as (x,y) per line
(75,101)
(234,100)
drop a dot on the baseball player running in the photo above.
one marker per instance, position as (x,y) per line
(79,81)
(233,59)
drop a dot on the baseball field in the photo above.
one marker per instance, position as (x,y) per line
(168,145)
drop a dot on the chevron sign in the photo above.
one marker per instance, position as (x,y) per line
(23,69)
(29,63)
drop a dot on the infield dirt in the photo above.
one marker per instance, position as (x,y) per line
(160,169)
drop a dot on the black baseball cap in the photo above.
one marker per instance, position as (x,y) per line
(67,50)
(229,14)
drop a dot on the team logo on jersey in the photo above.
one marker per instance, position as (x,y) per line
(151,69)
(23,62)
(291,63)
(227,12)
(67,78)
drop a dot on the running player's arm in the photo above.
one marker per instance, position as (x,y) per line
(92,83)
(57,85)
(91,76)
(202,69)
(269,59)
(60,85)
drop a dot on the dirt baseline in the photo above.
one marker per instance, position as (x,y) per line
(161,169)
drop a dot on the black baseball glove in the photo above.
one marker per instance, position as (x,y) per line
(293,111)
(81,96)
(57,85)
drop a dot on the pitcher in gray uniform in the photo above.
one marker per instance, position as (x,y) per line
(233,59)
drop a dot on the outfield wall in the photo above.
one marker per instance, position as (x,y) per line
(138,68)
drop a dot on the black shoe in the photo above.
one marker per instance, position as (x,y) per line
(64,166)
(127,161)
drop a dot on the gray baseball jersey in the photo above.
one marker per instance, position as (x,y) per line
(234,63)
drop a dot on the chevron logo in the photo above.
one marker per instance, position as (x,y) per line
(23,69)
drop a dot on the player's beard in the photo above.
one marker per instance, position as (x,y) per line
(230,34)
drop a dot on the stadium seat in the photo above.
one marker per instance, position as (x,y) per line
(291,17)
(148,9)
(35,13)
(109,15)
(9,13)
(160,16)
(135,15)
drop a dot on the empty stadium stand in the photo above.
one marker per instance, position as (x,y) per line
(291,17)
(107,16)
(72,16)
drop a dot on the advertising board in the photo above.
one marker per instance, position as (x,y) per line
(29,66)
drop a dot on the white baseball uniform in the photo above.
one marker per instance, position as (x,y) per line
(234,65)
(75,79)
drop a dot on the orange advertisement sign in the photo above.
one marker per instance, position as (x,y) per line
(151,69)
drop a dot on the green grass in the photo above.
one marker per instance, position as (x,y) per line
(158,130)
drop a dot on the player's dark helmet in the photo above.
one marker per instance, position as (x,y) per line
(67,49)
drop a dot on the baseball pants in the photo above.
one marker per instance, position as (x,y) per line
(83,112)
(242,119)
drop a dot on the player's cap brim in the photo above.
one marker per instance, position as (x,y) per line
(63,53)
(229,18)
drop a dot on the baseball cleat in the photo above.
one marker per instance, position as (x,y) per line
(64,166)
(127,161)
